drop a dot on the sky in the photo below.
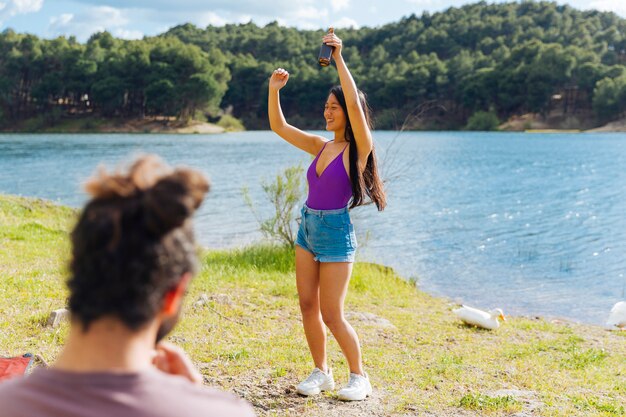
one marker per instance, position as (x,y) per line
(134,19)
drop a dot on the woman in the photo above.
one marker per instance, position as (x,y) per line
(343,172)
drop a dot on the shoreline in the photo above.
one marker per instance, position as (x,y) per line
(450,300)
(94,125)
(157,125)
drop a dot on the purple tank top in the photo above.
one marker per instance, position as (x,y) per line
(332,189)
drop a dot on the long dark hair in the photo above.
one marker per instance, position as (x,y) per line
(367,183)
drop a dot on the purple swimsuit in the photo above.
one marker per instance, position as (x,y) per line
(332,189)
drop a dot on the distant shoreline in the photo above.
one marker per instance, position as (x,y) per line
(172,126)
(103,125)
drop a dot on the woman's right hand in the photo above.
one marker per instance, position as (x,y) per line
(278,79)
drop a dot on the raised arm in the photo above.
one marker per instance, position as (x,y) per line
(360,128)
(305,141)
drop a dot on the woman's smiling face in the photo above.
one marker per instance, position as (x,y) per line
(334,114)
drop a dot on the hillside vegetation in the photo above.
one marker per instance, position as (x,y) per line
(506,59)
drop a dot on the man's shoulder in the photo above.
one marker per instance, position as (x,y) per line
(167,385)
(193,399)
(150,393)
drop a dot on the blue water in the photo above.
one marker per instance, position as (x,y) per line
(534,224)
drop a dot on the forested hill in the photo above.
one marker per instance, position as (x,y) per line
(502,59)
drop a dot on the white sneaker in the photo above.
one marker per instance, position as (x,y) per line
(317,382)
(358,388)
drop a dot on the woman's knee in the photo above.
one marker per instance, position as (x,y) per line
(333,319)
(309,305)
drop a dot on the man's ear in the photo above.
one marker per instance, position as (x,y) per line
(174,297)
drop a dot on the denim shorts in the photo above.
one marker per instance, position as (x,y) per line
(327,234)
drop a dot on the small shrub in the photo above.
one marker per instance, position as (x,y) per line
(200,116)
(284,194)
(230,123)
(483,120)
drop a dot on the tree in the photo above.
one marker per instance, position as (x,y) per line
(609,98)
(108,95)
(483,121)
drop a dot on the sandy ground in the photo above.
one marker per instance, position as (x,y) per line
(559,123)
(161,126)
(617,126)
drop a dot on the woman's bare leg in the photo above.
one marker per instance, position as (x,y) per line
(333,283)
(307,282)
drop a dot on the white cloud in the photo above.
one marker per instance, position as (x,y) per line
(92,20)
(338,5)
(305,17)
(209,18)
(255,7)
(163,21)
(26,6)
(312,14)
(127,34)
(617,6)
(427,3)
(62,20)
(15,7)
(308,13)
(346,22)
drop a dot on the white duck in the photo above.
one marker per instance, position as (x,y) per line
(617,317)
(479,318)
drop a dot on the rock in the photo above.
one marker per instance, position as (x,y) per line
(201,301)
(57,317)
(204,299)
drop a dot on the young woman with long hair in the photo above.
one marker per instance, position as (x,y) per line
(343,175)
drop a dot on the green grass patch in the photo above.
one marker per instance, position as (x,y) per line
(482,402)
(607,406)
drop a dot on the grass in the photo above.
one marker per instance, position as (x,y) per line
(246,335)
(486,403)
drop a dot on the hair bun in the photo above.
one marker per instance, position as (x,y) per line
(141,175)
(173,199)
(167,196)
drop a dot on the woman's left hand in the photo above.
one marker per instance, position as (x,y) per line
(331,39)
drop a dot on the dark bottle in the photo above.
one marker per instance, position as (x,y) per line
(326,52)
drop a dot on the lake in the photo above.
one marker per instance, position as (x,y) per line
(532,223)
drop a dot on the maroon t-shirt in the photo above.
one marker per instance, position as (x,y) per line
(151,393)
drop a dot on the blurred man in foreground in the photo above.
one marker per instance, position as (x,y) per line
(133,256)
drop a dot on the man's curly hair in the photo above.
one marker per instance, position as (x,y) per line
(133,241)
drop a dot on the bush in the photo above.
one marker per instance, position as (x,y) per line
(284,193)
(230,123)
(483,120)
(608,98)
